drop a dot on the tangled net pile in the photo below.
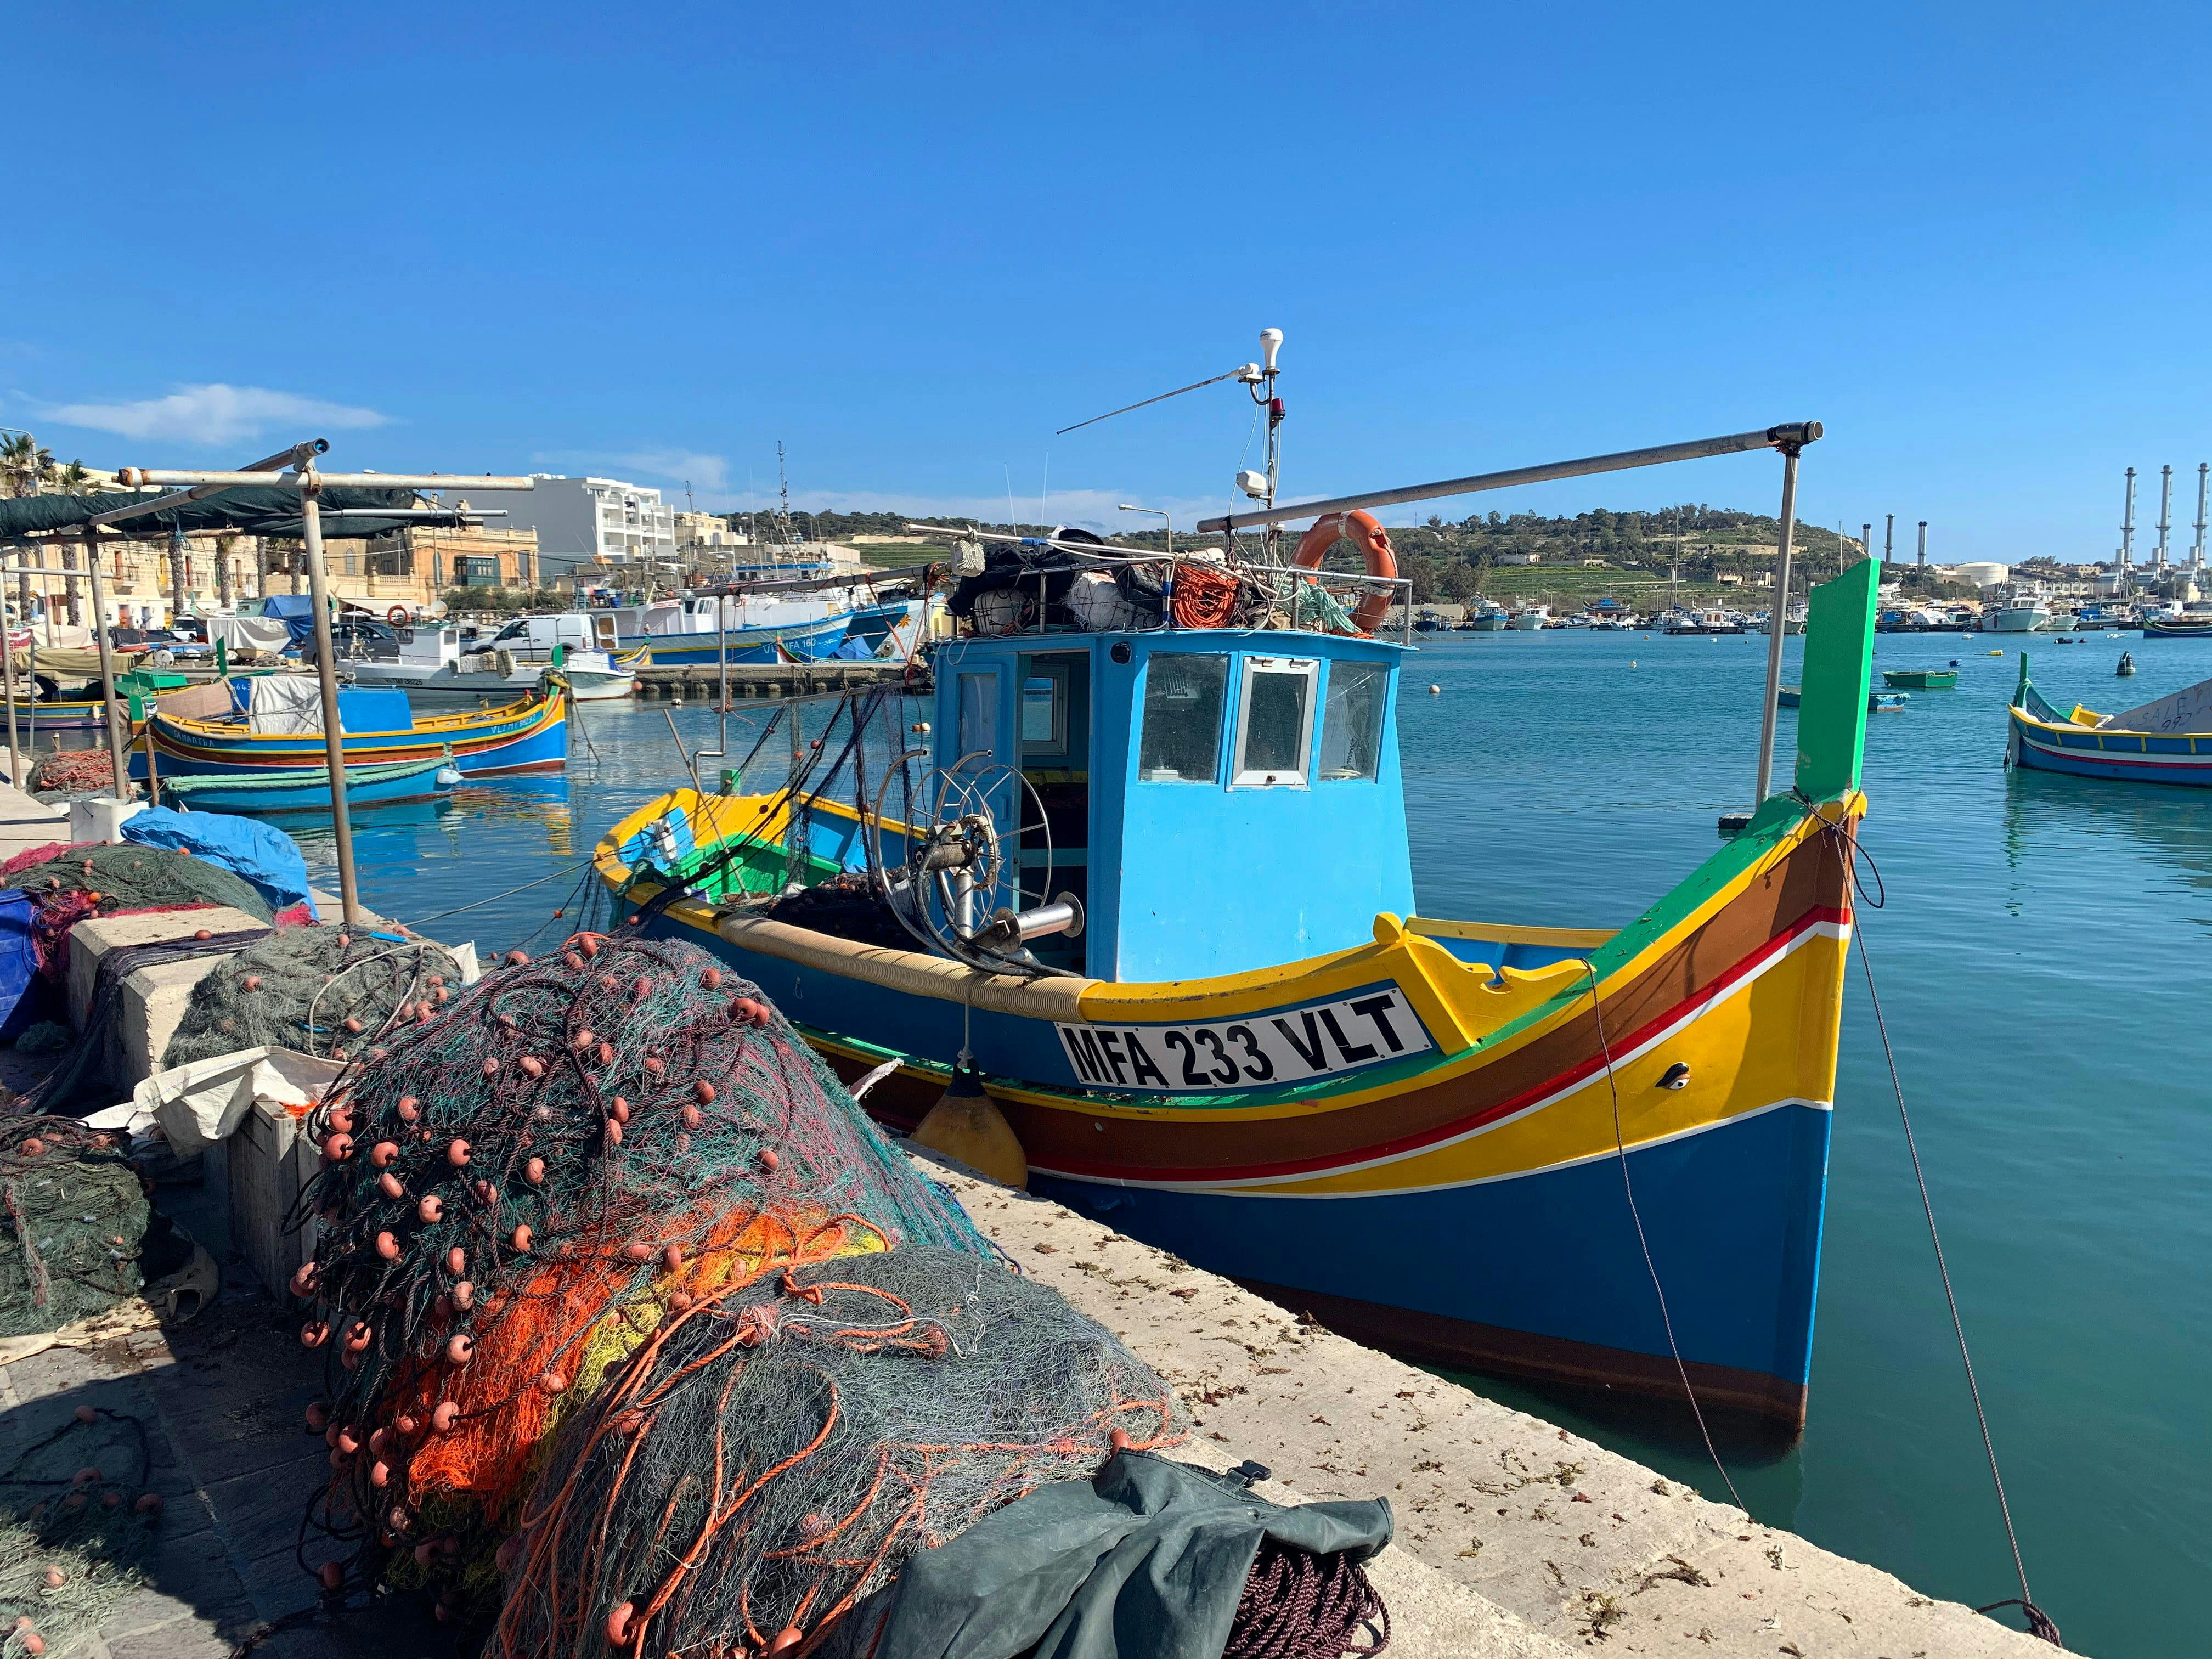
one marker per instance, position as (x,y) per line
(68,883)
(75,1528)
(525,1187)
(320,990)
(71,772)
(639,1336)
(772,1453)
(76,1219)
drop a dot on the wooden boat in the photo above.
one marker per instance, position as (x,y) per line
(2162,628)
(2167,740)
(1419,1129)
(528,736)
(1921,679)
(1877,702)
(308,789)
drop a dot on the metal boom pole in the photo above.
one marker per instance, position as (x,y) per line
(1779,625)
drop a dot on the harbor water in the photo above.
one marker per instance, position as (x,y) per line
(2038,957)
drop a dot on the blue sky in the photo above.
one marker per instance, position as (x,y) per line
(910,242)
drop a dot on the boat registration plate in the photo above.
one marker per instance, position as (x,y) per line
(1363,1029)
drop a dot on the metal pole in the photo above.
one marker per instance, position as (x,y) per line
(106,665)
(1774,437)
(1779,626)
(311,526)
(8,674)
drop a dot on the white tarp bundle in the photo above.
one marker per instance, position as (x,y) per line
(249,633)
(286,705)
(2186,710)
(197,1105)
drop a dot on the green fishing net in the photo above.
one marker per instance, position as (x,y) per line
(75,1522)
(320,990)
(74,1220)
(129,877)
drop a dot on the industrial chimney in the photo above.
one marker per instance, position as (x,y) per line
(2165,513)
(1888,535)
(1922,558)
(2196,554)
(2128,527)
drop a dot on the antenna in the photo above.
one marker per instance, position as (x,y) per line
(1247,372)
(783,485)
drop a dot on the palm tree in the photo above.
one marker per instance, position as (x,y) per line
(73,479)
(25,461)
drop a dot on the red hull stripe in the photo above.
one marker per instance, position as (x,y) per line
(1572,1077)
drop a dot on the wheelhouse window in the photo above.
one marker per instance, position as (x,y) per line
(1044,711)
(1184,693)
(979,716)
(1274,722)
(1351,720)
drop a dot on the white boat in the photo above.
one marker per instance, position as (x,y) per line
(437,658)
(1700,622)
(1490,618)
(2033,616)
(1529,621)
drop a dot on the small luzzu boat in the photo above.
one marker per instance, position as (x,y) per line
(308,789)
(379,728)
(2167,740)
(1921,679)
(1228,1034)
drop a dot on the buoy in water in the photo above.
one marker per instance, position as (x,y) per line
(966,1124)
(1435,691)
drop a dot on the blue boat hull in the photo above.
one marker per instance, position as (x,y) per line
(807,641)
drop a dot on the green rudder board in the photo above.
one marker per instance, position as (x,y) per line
(1838,671)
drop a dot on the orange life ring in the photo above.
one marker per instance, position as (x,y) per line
(397,616)
(1374,543)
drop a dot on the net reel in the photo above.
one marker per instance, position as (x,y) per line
(963,886)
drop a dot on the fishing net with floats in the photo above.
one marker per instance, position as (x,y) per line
(771,1454)
(68,772)
(327,991)
(520,1191)
(75,1221)
(75,1524)
(66,884)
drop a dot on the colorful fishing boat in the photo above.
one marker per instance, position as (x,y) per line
(1921,679)
(2166,740)
(308,789)
(283,729)
(1157,899)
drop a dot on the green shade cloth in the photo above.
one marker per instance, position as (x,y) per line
(252,510)
(1144,1561)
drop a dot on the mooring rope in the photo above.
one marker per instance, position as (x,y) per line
(2038,1622)
(1628,1185)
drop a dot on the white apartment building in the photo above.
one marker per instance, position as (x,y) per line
(578,521)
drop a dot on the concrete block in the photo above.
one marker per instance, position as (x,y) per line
(270,1160)
(100,817)
(91,939)
(154,1001)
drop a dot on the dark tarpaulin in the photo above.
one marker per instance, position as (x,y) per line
(251,510)
(1146,1561)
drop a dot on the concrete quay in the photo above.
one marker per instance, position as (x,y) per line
(1577,1546)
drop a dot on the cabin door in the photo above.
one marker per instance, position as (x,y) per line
(1052,737)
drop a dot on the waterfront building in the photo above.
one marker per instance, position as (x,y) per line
(579,522)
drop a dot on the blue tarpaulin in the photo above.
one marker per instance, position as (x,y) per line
(374,708)
(19,963)
(296,611)
(264,856)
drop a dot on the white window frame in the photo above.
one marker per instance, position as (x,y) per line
(1241,776)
